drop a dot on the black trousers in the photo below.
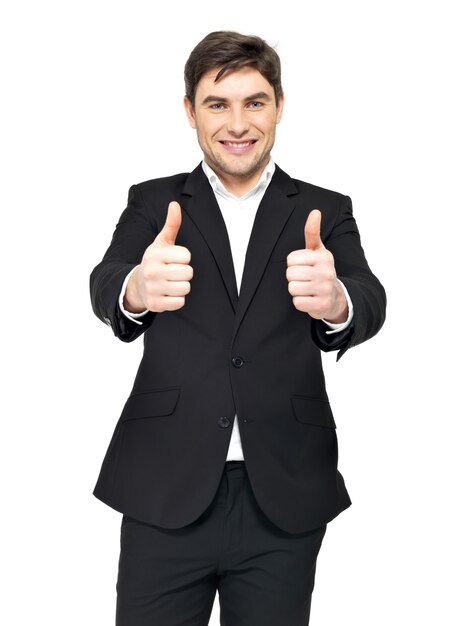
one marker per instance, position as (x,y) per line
(264,576)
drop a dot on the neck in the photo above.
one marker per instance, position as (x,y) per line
(239,185)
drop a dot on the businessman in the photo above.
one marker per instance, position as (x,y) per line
(224,459)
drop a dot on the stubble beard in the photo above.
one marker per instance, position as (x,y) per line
(243,173)
(219,164)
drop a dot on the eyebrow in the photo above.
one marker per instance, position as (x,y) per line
(260,95)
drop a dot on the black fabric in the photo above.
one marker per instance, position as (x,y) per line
(223,353)
(264,576)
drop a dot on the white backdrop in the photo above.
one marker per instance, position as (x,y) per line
(377,107)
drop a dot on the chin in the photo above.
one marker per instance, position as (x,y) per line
(241,170)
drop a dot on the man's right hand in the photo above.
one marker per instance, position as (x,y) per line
(161,281)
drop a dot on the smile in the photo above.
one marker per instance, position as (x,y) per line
(238,147)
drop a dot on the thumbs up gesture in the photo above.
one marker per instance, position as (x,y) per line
(312,279)
(161,281)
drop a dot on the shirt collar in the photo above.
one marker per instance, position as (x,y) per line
(221,190)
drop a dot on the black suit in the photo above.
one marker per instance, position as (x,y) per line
(220,354)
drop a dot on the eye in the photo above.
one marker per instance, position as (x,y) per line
(255,105)
(217,106)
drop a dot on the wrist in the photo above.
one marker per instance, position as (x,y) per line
(132,301)
(340,311)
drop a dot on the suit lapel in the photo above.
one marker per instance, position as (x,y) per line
(204,211)
(273,212)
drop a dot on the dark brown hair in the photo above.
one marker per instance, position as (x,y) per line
(231,51)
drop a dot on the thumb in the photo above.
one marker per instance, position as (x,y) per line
(312,231)
(168,233)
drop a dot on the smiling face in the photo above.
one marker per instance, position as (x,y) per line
(235,120)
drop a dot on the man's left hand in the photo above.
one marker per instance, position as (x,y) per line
(312,279)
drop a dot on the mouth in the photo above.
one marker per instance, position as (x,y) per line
(238,147)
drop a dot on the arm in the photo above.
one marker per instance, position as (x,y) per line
(366,292)
(141,272)
(134,232)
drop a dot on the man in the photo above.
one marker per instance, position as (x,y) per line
(224,459)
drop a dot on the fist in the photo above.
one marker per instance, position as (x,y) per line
(311,276)
(162,280)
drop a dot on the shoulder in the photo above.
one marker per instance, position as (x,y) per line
(310,190)
(156,194)
(334,206)
(165,184)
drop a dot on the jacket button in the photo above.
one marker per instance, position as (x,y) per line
(237,361)
(223,422)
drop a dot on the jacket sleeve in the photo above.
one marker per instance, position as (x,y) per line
(134,232)
(366,292)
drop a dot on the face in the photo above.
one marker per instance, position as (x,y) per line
(235,120)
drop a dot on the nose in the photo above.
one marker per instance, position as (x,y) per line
(237,122)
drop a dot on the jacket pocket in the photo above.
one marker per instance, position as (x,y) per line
(310,410)
(151,404)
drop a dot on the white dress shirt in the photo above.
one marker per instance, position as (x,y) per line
(238,214)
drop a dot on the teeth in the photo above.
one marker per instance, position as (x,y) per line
(238,144)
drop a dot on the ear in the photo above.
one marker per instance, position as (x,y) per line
(189,110)
(280,108)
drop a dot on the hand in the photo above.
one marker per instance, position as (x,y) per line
(312,279)
(161,281)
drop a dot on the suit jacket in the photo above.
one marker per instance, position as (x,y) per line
(255,355)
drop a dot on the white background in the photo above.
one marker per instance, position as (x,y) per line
(377,107)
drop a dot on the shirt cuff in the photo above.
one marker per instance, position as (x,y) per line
(337,328)
(134,317)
